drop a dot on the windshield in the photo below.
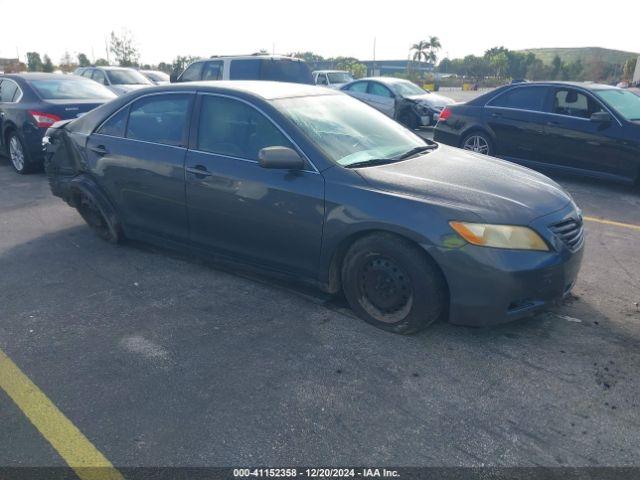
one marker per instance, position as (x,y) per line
(70,88)
(339,77)
(624,102)
(126,77)
(346,130)
(407,89)
(157,76)
(286,71)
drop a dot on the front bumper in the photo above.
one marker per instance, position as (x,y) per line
(489,286)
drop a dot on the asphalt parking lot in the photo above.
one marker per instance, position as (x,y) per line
(161,359)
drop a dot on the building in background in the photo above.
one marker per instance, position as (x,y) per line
(11,65)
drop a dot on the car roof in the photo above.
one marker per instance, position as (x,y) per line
(330,71)
(387,80)
(38,76)
(248,57)
(263,89)
(584,85)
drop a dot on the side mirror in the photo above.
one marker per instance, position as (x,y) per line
(601,117)
(173,78)
(281,158)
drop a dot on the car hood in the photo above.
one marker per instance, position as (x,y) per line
(495,190)
(432,99)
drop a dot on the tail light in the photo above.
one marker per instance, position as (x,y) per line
(445,114)
(44,120)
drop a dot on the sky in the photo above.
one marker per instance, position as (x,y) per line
(162,30)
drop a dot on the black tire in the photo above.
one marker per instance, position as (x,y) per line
(408,119)
(391,284)
(25,165)
(103,225)
(483,137)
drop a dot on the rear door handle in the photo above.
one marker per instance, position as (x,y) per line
(99,150)
(200,171)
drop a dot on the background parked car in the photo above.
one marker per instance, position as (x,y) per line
(32,102)
(583,128)
(119,80)
(313,184)
(156,76)
(249,67)
(332,78)
(399,99)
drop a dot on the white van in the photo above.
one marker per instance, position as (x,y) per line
(248,67)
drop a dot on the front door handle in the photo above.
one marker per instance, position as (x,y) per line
(200,171)
(99,150)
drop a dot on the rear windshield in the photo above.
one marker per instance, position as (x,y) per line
(70,88)
(277,70)
(157,76)
(127,77)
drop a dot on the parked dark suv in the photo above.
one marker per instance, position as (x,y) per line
(578,128)
(247,67)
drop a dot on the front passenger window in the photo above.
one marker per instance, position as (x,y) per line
(159,119)
(193,73)
(379,90)
(358,87)
(574,104)
(233,128)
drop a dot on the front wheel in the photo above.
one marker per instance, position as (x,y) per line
(391,284)
(478,142)
(409,120)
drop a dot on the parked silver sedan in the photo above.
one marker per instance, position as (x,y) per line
(399,99)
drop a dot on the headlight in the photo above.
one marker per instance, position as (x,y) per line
(500,236)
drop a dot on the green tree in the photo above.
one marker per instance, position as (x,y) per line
(66,63)
(123,49)
(556,67)
(47,64)
(101,62)
(309,57)
(83,60)
(629,69)
(34,62)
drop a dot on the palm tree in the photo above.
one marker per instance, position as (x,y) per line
(434,46)
(420,50)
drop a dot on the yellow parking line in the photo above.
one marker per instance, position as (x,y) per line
(64,436)
(611,222)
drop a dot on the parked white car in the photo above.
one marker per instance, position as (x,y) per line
(400,99)
(331,78)
(119,80)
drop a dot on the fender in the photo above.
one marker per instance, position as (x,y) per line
(87,186)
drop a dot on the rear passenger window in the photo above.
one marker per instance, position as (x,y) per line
(192,73)
(230,127)
(8,91)
(159,119)
(115,126)
(212,71)
(523,98)
(245,69)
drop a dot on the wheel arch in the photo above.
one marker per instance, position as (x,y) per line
(334,277)
(85,185)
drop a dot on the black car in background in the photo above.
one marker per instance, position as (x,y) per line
(577,128)
(32,102)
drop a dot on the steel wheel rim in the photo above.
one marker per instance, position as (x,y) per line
(477,143)
(386,290)
(16,154)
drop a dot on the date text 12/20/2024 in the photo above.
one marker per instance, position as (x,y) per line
(315,473)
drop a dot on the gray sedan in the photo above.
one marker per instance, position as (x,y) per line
(399,99)
(311,184)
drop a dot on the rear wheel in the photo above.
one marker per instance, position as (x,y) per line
(478,142)
(392,285)
(104,227)
(18,155)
